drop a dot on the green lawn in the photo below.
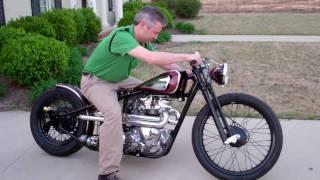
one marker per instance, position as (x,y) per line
(258,23)
(285,75)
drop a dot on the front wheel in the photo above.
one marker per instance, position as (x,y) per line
(258,148)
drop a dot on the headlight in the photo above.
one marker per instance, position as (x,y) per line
(219,74)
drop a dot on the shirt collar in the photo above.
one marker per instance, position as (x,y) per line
(131,30)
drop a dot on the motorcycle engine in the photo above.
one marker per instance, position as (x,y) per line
(145,118)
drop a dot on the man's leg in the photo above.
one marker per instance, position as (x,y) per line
(131,82)
(104,97)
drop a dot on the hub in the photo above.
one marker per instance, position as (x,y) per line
(243,136)
(65,122)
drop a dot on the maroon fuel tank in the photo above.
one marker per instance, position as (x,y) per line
(166,83)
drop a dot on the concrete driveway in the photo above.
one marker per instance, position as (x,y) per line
(22,159)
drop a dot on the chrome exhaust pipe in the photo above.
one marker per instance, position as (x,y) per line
(147,121)
(91,118)
(138,120)
(145,118)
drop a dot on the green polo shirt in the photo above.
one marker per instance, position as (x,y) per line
(116,65)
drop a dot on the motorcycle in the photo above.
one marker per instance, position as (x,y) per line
(234,136)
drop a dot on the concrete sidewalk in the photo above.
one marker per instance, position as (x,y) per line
(244,38)
(22,159)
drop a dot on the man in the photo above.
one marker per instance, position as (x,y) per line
(108,69)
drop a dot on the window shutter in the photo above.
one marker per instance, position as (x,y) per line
(35,6)
(2,17)
(57,4)
(84,3)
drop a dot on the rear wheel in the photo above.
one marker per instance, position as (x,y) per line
(258,148)
(48,127)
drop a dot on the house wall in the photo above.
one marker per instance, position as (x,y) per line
(16,8)
(71,3)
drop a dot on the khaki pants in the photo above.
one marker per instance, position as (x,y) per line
(104,96)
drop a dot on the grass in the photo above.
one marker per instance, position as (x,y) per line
(285,75)
(257,23)
(295,115)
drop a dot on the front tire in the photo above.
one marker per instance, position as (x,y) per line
(252,156)
(46,126)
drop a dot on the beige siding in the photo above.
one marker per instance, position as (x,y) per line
(70,3)
(16,8)
(101,11)
(65,3)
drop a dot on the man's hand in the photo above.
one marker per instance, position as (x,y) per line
(197,57)
(189,72)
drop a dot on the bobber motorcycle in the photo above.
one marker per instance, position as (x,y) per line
(234,136)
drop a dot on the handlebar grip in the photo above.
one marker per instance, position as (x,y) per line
(193,62)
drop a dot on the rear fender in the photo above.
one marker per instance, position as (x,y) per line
(76,91)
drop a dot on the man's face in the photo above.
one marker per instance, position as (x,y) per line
(151,33)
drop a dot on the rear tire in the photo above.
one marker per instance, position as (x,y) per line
(45,126)
(248,159)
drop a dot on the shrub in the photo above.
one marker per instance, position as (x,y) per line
(94,26)
(34,58)
(185,27)
(40,87)
(2,90)
(160,3)
(131,9)
(9,33)
(83,51)
(164,36)
(127,19)
(75,67)
(34,24)
(63,24)
(168,15)
(134,6)
(80,20)
(187,8)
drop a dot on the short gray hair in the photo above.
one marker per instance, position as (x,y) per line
(150,15)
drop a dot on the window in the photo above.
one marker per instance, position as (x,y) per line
(40,6)
(46,5)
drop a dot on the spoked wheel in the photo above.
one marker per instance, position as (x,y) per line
(49,128)
(254,153)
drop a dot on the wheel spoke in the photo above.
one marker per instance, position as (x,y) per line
(221,155)
(214,140)
(233,157)
(51,129)
(256,145)
(246,152)
(220,151)
(210,132)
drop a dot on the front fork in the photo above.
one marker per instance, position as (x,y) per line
(217,114)
(216,110)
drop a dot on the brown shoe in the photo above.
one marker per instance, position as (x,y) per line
(111,176)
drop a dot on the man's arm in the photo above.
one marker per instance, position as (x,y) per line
(173,66)
(162,59)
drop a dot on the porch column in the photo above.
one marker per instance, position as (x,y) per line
(103,9)
(118,10)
